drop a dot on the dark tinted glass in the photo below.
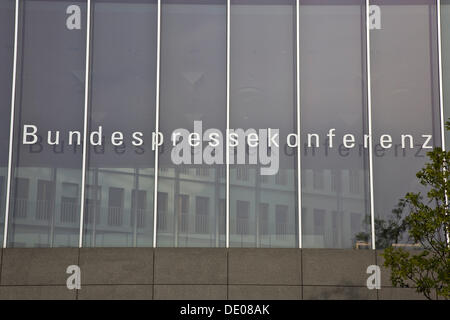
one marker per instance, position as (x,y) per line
(50,95)
(120,177)
(263,205)
(191,211)
(335,188)
(405,100)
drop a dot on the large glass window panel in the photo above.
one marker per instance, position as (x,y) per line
(445,33)
(335,188)
(6,61)
(50,95)
(405,100)
(120,177)
(193,89)
(263,207)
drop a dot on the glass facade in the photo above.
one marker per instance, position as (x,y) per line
(120,174)
(289,78)
(263,207)
(6,60)
(405,99)
(191,195)
(46,176)
(335,176)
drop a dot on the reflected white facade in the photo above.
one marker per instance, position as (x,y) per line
(376,68)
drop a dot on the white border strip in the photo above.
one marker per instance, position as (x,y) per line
(299,144)
(85,125)
(158,69)
(369,114)
(11,124)
(227,151)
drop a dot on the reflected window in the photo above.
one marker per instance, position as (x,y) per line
(139,211)
(242,217)
(115,206)
(69,202)
(45,199)
(201,214)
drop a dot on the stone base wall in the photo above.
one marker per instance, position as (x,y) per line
(195,274)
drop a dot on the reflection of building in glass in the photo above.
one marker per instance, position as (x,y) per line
(46,185)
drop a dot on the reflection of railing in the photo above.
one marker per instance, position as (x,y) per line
(69,211)
(44,209)
(242,226)
(201,223)
(140,218)
(20,208)
(281,231)
(115,216)
(202,172)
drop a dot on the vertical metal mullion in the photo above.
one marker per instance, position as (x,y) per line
(227,151)
(299,144)
(441,91)
(158,69)
(85,124)
(369,115)
(11,123)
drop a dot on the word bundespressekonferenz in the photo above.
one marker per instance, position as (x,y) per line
(250,146)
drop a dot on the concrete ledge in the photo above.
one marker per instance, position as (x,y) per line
(190,292)
(37,266)
(338,293)
(265,266)
(336,267)
(257,292)
(116,292)
(116,265)
(36,293)
(194,274)
(190,266)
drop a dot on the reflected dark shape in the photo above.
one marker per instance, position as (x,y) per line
(45,190)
